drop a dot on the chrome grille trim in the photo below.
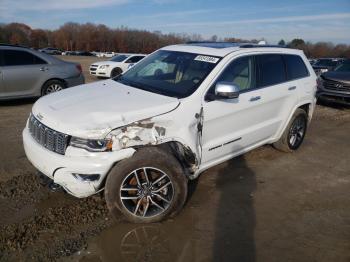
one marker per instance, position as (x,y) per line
(337,86)
(50,139)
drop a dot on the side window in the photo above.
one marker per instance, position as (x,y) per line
(17,57)
(134,59)
(39,61)
(271,70)
(240,72)
(137,58)
(296,67)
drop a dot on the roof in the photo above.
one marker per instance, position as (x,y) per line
(222,49)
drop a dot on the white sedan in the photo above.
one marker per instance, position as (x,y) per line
(115,66)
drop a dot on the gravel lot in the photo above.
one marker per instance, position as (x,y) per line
(262,206)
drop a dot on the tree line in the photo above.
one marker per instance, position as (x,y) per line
(92,37)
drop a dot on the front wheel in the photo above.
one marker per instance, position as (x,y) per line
(294,134)
(148,187)
(116,72)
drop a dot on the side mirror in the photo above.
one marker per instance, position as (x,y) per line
(226,90)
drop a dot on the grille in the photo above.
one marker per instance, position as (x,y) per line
(47,137)
(337,86)
(93,68)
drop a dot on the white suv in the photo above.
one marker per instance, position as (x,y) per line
(115,66)
(178,112)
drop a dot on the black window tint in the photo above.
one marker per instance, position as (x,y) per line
(295,67)
(39,61)
(271,70)
(241,72)
(17,57)
(134,59)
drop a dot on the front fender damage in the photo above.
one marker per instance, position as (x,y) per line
(149,132)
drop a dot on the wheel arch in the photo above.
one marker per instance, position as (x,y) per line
(307,106)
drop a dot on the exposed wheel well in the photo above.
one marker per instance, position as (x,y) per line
(306,108)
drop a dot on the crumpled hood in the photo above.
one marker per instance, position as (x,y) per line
(93,110)
(337,76)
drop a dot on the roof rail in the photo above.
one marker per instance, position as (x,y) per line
(231,44)
(12,45)
(257,45)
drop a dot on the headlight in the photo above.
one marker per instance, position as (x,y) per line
(104,66)
(93,145)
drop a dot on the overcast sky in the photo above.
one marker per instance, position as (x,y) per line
(322,20)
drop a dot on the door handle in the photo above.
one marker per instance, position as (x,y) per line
(43,69)
(255,98)
(292,88)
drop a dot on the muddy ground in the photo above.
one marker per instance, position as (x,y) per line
(262,206)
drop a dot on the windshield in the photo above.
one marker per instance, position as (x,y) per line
(119,58)
(325,62)
(169,73)
(345,67)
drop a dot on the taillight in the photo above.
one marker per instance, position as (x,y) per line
(78,66)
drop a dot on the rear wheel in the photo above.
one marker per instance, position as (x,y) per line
(294,134)
(52,86)
(146,188)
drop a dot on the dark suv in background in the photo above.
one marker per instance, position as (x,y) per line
(335,85)
(25,72)
(323,65)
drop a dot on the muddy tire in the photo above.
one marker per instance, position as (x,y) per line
(116,72)
(148,187)
(52,86)
(294,134)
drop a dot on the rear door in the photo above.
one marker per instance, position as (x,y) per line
(298,77)
(23,73)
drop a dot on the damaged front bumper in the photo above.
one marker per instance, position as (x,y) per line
(79,172)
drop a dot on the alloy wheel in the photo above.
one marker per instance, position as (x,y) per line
(297,132)
(146,192)
(53,88)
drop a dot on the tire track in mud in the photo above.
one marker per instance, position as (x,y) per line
(41,225)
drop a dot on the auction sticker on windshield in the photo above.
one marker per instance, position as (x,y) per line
(208,59)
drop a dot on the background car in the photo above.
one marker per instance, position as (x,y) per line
(84,53)
(28,73)
(115,66)
(335,85)
(108,54)
(326,64)
(51,51)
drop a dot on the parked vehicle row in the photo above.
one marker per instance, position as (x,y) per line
(115,66)
(56,51)
(179,111)
(25,72)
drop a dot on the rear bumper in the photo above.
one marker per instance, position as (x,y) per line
(63,169)
(75,81)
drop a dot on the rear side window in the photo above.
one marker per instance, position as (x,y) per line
(17,57)
(271,70)
(296,67)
